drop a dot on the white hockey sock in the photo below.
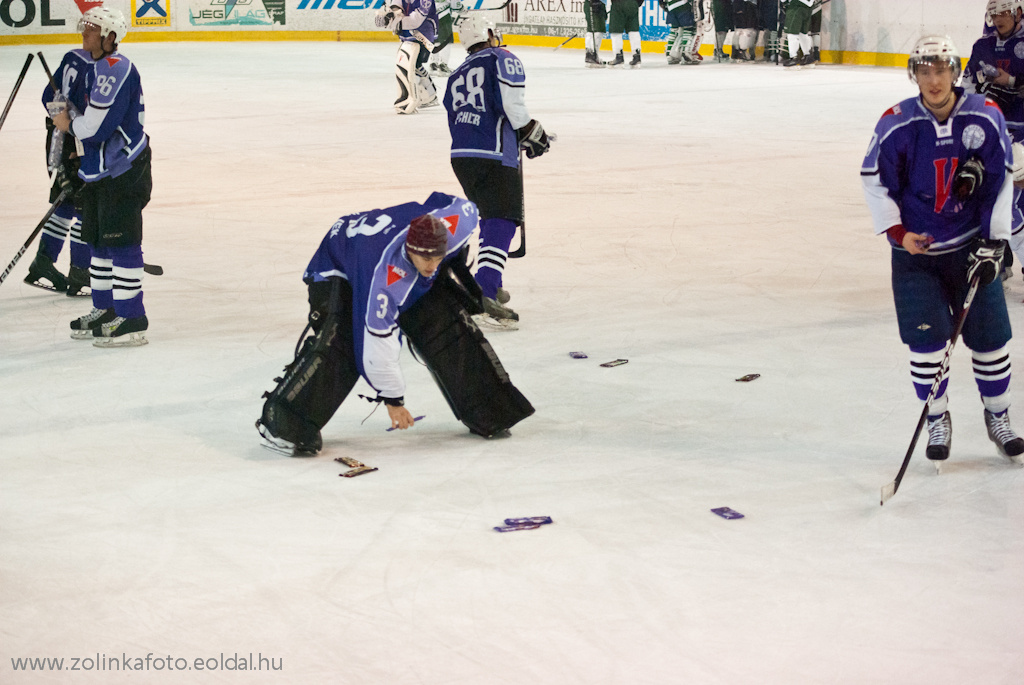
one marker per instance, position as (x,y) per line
(616,43)
(992,374)
(794,45)
(634,41)
(924,366)
(806,43)
(588,41)
(101,275)
(127,282)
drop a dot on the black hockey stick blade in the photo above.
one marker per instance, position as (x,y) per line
(889,490)
(49,74)
(35,232)
(153,269)
(17,86)
(521,250)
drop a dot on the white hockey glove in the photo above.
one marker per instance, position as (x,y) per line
(1018,162)
(397,15)
(968,178)
(533,140)
(985,260)
(381,19)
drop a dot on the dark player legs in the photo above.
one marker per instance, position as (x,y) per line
(596,15)
(722,11)
(929,292)
(680,18)
(624,17)
(494,188)
(744,15)
(768,11)
(112,207)
(798,18)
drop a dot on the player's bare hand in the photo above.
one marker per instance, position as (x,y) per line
(1002,78)
(400,417)
(62,121)
(917,243)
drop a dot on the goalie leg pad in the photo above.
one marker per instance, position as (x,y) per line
(318,380)
(462,362)
(405,72)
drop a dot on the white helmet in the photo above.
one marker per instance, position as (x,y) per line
(934,49)
(475,28)
(998,7)
(107,19)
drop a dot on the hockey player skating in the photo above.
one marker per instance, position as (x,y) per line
(936,184)
(74,79)
(376,276)
(442,50)
(996,69)
(624,17)
(679,15)
(489,122)
(596,14)
(415,23)
(798,33)
(115,165)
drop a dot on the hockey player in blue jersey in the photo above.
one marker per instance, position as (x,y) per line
(935,178)
(415,23)
(488,120)
(376,276)
(996,69)
(115,165)
(74,79)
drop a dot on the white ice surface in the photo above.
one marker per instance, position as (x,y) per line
(704,223)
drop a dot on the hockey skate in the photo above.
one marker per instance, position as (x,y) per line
(793,63)
(618,61)
(82,327)
(940,437)
(720,55)
(440,69)
(121,332)
(634,63)
(675,60)
(1007,442)
(285,447)
(497,317)
(78,282)
(592,60)
(809,61)
(40,268)
(502,296)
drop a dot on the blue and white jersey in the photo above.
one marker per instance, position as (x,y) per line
(368,249)
(110,128)
(421,16)
(486,103)
(74,77)
(995,53)
(911,163)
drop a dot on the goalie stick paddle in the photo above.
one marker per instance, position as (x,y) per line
(889,490)
(521,250)
(38,228)
(17,86)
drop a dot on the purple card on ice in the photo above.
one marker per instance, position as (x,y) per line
(414,421)
(578,355)
(727,513)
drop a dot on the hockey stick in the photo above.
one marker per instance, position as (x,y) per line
(889,490)
(576,34)
(17,86)
(39,227)
(153,269)
(521,250)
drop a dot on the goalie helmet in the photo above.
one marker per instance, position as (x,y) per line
(107,20)
(475,29)
(427,237)
(996,7)
(934,50)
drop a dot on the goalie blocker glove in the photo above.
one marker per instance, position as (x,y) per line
(968,178)
(985,260)
(533,139)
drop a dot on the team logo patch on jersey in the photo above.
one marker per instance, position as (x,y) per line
(973,137)
(113,60)
(395,274)
(1018,50)
(451,223)
(923,327)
